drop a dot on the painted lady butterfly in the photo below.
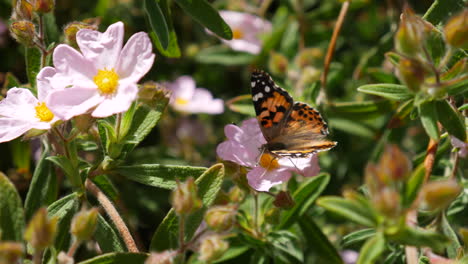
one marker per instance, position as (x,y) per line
(291,129)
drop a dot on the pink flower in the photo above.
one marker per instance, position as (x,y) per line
(246,30)
(462,146)
(243,147)
(187,98)
(349,256)
(21,111)
(102,78)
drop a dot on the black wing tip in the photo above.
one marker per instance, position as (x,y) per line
(259,73)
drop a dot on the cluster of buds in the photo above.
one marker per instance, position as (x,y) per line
(41,230)
(384,181)
(185,198)
(72,28)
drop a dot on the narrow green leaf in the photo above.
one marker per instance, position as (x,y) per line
(454,246)
(450,118)
(390,91)
(413,185)
(460,87)
(348,209)
(70,171)
(117,258)
(304,197)
(202,12)
(419,237)
(52,32)
(43,188)
(33,65)
(284,247)
(11,81)
(162,176)
(106,186)
(209,184)
(173,50)
(372,249)
(356,128)
(126,122)
(440,10)
(357,236)
(364,110)
(21,154)
(11,211)
(223,55)
(64,209)
(107,237)
(317,241)
(428,115)
(157,21)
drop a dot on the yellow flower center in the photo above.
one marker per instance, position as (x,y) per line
(43,113)
(237,33)
(106,81)
(269,162)
(181,101)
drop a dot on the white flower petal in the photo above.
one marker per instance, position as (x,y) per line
(71,102)
(136,58)
(118,103)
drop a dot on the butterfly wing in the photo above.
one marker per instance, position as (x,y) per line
(272,104)
(304,133)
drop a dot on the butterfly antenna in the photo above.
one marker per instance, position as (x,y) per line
(295,165)
(259,156)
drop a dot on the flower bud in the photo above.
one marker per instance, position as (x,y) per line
(84,122)
(456,30)
(153,94)
(272,216)
(236,194)
(44,6)
(23,10)
(308,57)
(73,28)
(185,199)
(395,163)
(411,33)
(24,32)
(63,258)
(411,73)
(10,252)
(221,218)
(439,194)
(387,202)
(278,64)
(212,248)
(165,257)
(284,200)
(84,223)
(41,230)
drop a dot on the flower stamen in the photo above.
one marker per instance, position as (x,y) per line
(107,81)
(269,162)
(237,33)
(43,113)
(181,101)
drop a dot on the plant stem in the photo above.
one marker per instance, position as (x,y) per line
(37,257)
(264,7)
(113,214)
(117,125)
(430,158)
(43,49)
(181,237)
(256,214)
(322,97)
(73,248)
(455,165)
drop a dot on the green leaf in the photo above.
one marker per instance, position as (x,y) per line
(70,171)
(390,91)
(202,12)
(157,22)
(11,211)
(223,55)
(107,237)
(440,10)
(317,241)
(106,186)
(428,115)
(21,154)
(33,65)
(117,258)
(357,236)
(172,51)
(43,188)
(365,109)
(459,87)
(450,118)
(52,32)
(162,176)
(372,249)
(11,81)
(64,209)
(413,185)
(356,128)
(419,237)
(349,209)
(284,247)
(209,184)
(454,246)
(304,197)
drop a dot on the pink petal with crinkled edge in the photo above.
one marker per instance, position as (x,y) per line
(136,58)
(231,131)
(43,80)
(120,102)
(103,49)
(72,69)
(71,102)
(306,167)
(231,151)
(183,88)
(11,128)
(262,180)
(19,104)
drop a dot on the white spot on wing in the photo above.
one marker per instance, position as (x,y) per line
(253,84)
(267,89)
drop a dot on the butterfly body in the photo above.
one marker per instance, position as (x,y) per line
(291,129)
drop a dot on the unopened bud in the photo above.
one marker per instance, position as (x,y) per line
(185,199)
(73,28)
(44,6)
(24,32)
(284,200)
(41,230)
(278,64)
(308,57)
(63,258)
(84,224)
(23,10)
(10,252)
(221,218)
(439,194)
(153,94)
(212,248)
(236,194)
(387,202)
(272,216)
(165,257)
(411,73)
(456,30)
(411,33)
(395,163)
(84,122)
(191,50)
